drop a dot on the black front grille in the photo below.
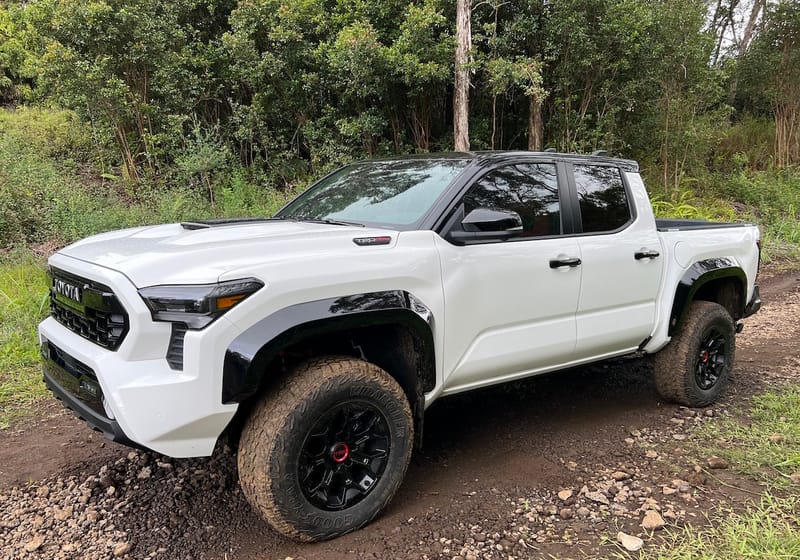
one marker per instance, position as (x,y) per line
(87,308)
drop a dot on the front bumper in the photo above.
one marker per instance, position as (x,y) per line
(75,385)
(132,394)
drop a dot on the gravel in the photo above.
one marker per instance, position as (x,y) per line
(138,506)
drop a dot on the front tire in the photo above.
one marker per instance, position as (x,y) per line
(321,456)
(695,368)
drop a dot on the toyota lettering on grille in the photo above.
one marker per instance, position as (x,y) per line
(69,291)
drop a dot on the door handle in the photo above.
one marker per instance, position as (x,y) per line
(571,262)
(639,255)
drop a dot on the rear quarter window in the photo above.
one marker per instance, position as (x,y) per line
(602,198)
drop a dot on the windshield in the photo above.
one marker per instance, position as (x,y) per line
(389,193)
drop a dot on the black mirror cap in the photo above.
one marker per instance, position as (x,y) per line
(487,219)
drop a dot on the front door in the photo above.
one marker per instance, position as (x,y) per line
(510,305)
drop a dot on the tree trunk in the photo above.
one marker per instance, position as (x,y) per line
(461,90)
(535,125)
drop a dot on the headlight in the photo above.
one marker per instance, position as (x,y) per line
(197,305)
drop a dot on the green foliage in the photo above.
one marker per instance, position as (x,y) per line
(766,530)
(685,205)
(48,193)
(23,303)
(768,447)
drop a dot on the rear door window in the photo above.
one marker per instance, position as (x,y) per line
(602,198)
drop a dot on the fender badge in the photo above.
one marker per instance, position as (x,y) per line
(368,241)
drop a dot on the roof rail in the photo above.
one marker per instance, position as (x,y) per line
(600,153)
(550,150)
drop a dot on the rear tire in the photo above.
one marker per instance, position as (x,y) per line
(321,456)
(695,368)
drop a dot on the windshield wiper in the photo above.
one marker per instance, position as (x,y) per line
(312,220)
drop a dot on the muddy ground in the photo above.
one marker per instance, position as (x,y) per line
(556,465)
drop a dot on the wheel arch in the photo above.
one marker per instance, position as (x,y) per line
(720,280)
(392,329)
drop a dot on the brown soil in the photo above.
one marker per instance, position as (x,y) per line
(487,476)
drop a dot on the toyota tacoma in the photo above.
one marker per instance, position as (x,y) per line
(321,335)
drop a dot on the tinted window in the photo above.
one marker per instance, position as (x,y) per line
(382,192)
(530,190)
(602,198)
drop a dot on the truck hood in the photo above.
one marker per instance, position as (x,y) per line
(173,254)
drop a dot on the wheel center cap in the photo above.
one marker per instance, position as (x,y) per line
(705,356)
(340,452)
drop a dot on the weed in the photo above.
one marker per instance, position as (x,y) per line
(768,447)
(23,303)
(766,530)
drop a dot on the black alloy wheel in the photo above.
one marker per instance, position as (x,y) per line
(694,369)
(322,453)
(344,456)
(711,360)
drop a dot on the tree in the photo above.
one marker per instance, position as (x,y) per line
(769,77)
(461,86)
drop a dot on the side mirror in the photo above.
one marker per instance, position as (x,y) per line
(486,219)
(485,224)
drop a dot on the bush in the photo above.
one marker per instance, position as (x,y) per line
(50,192)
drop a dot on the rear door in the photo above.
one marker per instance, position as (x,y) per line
(621,260)
(509,305)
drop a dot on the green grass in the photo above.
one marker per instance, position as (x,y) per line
(766,530)
(764,446)
(767,446)
(23,303)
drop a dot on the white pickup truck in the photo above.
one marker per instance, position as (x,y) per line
(319,337)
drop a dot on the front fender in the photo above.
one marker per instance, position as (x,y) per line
(251,352)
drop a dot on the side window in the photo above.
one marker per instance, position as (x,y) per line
(602,197)
(530,190)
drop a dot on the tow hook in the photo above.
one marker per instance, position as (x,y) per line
(739,327)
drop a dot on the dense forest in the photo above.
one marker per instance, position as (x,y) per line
(169,94)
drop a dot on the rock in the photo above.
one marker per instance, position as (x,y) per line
(63,514)
(630,440)
(668,491)
(144,473)
(42,491)
(92,516)
(121,549)
(679,437)
(715,462)
(583,512)
(795,477)
(652,520)
(480,537)
(598,497)
(776,438)
(34,544)
(565,495)
(629,542)
(565,513)
(651,454)
(709,412)
(620,475)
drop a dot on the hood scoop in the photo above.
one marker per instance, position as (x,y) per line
(220,222)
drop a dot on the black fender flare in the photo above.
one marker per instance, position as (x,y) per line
(249,354)
(697,275)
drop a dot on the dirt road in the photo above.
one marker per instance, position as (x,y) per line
(553,465)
